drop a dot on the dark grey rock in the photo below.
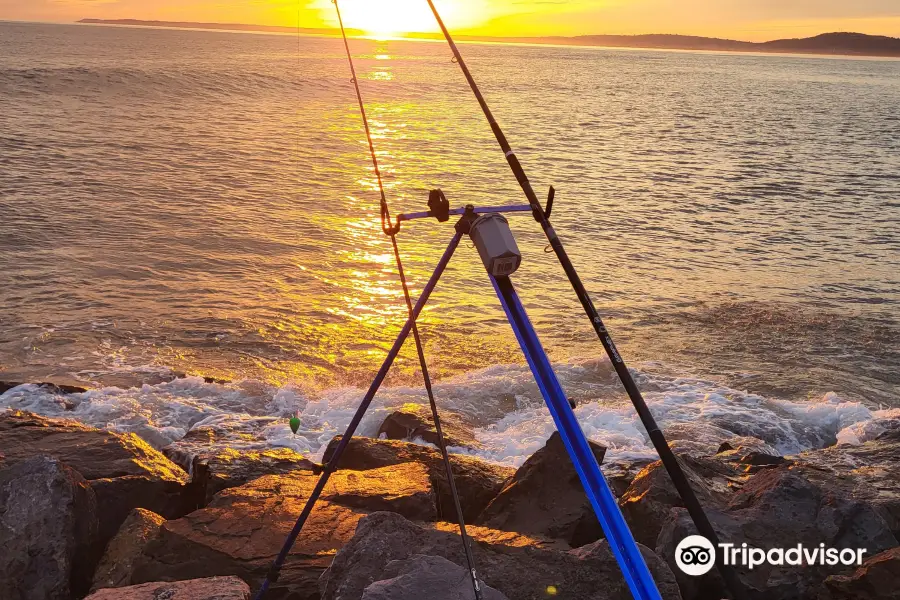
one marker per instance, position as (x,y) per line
(431,577)
(520,567)
(780,508)
(648,501)
(416,421)
(869,472)
(48,530)
(545,497)
(123,470)
(126,549)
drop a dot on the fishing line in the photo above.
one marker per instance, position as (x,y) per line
(391,231)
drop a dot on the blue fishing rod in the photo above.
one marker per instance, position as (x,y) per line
(501,257)
(657,438)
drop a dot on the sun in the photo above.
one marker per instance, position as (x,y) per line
(392,18)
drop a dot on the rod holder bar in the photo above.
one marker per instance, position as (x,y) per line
(511,208)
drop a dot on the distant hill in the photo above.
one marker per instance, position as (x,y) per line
(853,44)
(219,26)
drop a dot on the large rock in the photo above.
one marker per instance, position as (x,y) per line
(477,481)
(126,548)
(432,577)
(415,421)
(518,566)
(545,497)
(780,508)
(244,528)
(224,467)
(648,501)
(48,530)
(869,473)
(124,471)
(876,579)
(5,386)
(212,588)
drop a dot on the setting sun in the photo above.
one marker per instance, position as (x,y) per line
(393,18)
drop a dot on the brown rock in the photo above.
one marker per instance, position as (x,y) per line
(478,481)
(244,528)
(648,501)
(520,567)
(876,579)
(123,470)
(139,529)
(212,588)
(48,530)
(545,497)
(226,467)
(416,421)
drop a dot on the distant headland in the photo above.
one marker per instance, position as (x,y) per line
(849,44)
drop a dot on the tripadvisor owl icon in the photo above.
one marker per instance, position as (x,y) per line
(695,555)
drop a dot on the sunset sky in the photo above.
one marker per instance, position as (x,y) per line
(740,19)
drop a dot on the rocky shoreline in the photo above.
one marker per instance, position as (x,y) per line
(91,513)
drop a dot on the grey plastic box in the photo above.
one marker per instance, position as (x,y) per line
(496,244)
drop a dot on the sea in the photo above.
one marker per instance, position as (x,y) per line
(189,227)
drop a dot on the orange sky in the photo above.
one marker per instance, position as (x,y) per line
(740,19)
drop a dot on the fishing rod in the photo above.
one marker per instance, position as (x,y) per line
(670,462)
(391,231)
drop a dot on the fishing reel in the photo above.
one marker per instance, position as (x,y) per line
(439,205)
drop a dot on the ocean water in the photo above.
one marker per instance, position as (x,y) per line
(202,202)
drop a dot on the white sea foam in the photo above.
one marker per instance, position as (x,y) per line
(503,400)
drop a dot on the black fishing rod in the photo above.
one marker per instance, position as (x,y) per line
(670,462)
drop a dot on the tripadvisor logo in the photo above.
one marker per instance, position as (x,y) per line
(696,556)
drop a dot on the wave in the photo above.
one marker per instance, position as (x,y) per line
(501,400)
(170,83)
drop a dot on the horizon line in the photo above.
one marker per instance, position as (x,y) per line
(700,43)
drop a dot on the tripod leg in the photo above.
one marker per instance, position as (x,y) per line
(621,541)
(331,467)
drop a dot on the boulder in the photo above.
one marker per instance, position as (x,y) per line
(432,577)
(477,481)
(876,579)
(780,508)
(518,566)
(126,548)
(869,472)
(5,386)
(225,467)
(212,588)
(244,528)
(415,421)
(48,530)
(123,470)
(545,497)
(648,501)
